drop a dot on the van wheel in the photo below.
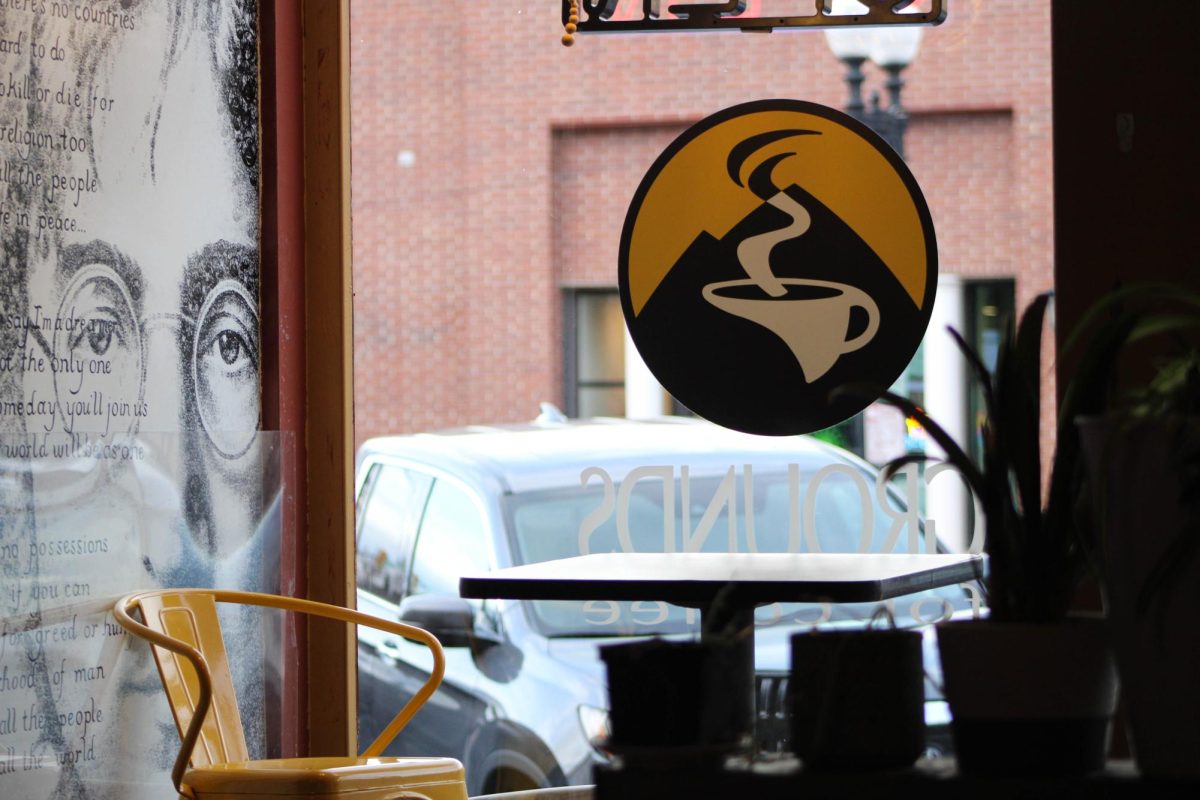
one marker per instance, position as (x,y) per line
(509,779)
(510,757)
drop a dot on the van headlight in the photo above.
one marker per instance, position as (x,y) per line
(594,722)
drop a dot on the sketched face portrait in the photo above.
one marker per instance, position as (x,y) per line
(152,281)
(130,337)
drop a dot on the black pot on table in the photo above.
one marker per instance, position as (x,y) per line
(671,699)
(857,699)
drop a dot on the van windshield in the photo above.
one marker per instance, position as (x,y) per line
(832,507)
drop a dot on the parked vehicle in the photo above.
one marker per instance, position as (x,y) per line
(523,704)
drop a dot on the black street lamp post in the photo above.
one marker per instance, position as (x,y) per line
(892,48)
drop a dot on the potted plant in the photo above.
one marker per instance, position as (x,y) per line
(671,700)
(1031,687)
(1143,456)
(675,701)
(857,698)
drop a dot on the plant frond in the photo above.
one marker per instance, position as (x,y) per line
(890,469)
(954,454)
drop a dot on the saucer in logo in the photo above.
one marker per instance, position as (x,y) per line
(776,251)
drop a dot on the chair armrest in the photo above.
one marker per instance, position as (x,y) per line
(328,611)
(311,607)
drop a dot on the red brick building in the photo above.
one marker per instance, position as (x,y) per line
(492,169)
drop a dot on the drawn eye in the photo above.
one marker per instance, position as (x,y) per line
(225,347)
(100,336)
(97,344)
(96,324)
(231,346)
(226,368)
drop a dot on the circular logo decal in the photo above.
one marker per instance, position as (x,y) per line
(776,251)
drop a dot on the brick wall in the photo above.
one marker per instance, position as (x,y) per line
(492,167)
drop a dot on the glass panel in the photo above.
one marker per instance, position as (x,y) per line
(85,519)
(837,511)
(387,529)
(601,337)
(990,306)
(601,401)
(452,542)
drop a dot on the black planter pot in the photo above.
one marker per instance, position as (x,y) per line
(1029,699)
(666,694)
(857,699)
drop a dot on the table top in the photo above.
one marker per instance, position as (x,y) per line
(694,579)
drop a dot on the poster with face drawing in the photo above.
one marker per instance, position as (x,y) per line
(130,455)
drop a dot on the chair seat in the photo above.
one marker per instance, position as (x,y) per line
(382,778)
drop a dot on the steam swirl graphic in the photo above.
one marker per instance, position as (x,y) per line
(754,253)
(810,316)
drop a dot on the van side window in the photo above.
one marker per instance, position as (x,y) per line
(452,542)
(388,520)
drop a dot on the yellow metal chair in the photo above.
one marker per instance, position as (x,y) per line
(183,628)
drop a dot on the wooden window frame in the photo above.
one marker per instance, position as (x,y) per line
(307,330)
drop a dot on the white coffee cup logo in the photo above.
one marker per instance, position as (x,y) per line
(811,317)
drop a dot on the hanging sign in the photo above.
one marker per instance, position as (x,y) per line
(776,251)
(647,16)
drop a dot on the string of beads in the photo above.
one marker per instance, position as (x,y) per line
(568,38)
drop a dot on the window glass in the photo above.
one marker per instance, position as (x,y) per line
(601,401)
(721,518)
(452,542)
(388,519)
(596,363)
(602,338)
(832,522)
(990,306)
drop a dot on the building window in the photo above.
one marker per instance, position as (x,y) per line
(594,357)
(989,306)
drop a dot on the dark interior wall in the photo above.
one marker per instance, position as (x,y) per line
(1126,141)
(1126,94)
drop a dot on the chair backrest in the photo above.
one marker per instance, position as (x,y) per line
(190,617)
(183,627)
